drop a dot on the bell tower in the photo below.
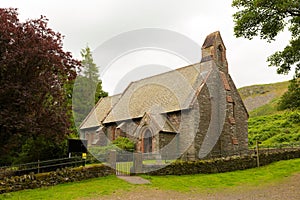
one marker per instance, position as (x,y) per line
(213,48)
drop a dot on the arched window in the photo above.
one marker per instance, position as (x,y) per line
(220,57)
(147,141)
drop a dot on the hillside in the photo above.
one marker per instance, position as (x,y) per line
(256,96)
(266,124)
(276,129)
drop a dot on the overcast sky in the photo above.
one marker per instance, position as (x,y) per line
(94,22)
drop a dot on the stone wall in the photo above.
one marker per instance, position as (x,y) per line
(240,116)
(204,105)
(65,175)
(219,165)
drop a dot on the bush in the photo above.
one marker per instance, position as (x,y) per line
(124,144)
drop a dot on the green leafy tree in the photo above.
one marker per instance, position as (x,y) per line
(87,88)
(90,69)
(91,72)
(266,18)
(34,69)
(291,99)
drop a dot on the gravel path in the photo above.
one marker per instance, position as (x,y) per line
(288,189)
(134,180)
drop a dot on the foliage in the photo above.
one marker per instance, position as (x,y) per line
(276,129)
(91,72)
(291,99)
(34,70)
(87,89)
(39,148)
(266,18)
(96,150)
(119,144)
(124,144)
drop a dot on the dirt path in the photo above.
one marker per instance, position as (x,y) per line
(288,189)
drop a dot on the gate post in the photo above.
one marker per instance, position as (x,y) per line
(112,158)
(137,163)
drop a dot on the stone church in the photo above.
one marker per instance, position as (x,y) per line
(193,112)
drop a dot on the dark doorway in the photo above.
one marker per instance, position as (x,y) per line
(147,142)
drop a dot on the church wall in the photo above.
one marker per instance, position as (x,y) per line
(241,118)
(168,143)
(204,105)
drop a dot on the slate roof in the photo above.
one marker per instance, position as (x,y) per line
(99,112)
(166,92)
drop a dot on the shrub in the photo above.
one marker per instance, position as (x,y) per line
(124,144)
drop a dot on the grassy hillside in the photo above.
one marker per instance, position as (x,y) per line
(275,129)
(266,123)
(256,96)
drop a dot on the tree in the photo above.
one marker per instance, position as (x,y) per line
(33,72)
(266,18)
(91,72)
(87,88)
(291,99)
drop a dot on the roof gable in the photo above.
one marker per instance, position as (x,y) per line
(156,122)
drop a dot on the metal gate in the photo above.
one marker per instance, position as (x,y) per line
(124,164)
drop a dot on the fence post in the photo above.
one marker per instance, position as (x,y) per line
(38,166)
(112,158)
(137,163)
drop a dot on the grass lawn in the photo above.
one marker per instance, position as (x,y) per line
(251,177)
(196,183)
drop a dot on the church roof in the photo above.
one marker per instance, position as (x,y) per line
(99,112)
(166,92)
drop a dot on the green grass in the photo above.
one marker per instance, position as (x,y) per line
(188,183)
(267,109)
(252,177)
(69,191)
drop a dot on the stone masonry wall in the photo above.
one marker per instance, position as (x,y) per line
(65,175)
(241,118)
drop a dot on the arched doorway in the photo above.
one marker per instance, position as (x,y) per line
(147,141)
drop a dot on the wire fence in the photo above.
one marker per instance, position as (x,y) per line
(275,148)
(40,166)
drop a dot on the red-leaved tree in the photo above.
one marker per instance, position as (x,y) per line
(34,70)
